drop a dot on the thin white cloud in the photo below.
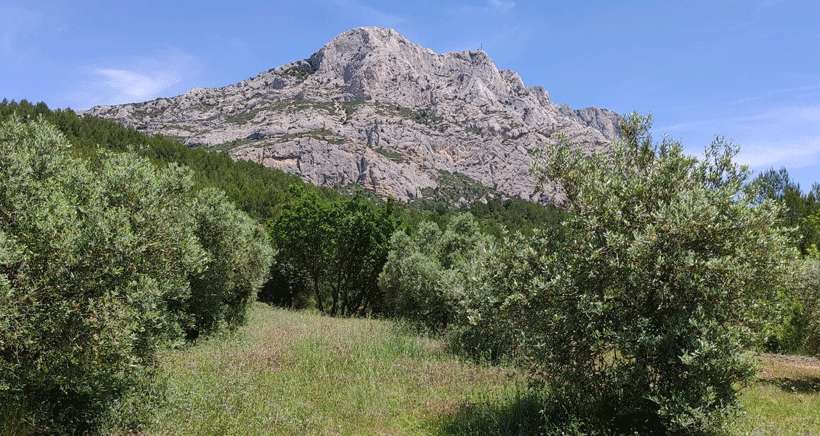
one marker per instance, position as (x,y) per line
(136,85)
(501,5)
(779,93)
(785,136)
(799,153)
(136,80)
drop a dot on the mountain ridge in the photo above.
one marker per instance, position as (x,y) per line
(373,108)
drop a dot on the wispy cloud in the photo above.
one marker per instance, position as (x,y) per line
(501,5)
(787,92)
(136,85)
(139,79)
(797,153)
(783,136)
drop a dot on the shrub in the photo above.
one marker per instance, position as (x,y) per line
(238,261)
(425,275)
(664,274)
(96,265)
(809,300)
(88,274)
(496,293)
(331,250)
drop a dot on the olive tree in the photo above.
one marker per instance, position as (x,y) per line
(238,255)
(102,263)
(651,300)
(426,274)
(92,264)
(808,292)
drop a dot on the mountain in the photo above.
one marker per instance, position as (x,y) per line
(373,108)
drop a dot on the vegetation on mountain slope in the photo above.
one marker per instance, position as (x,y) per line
(253,188)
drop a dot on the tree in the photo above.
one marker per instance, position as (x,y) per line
(239,255)
(359,249)
(102,263)
(301,235)
(808,296)
(799,210)
(425,275)
(666,270)
(93,264)
(334,248)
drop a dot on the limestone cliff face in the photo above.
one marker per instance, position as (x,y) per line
(373,108)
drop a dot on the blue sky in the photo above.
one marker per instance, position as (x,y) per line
(748,70)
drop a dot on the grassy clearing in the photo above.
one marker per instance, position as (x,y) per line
(786,400)
(302,373)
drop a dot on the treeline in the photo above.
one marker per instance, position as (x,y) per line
(799,330)
(801,210)
(330,254)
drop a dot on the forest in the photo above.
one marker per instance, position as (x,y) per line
(638,305)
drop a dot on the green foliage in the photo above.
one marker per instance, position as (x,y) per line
(100,263)
(496,294)
(253,188)
(390,154)
(425,275)
(808,301)
(239,255)
(793,333)
(652,297)
(332,249)
(428,117)
(801,211)
(496,215)
(456,188)
(261,191)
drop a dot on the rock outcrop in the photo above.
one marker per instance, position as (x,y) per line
(373,108)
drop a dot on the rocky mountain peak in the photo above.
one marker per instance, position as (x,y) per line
(373,108)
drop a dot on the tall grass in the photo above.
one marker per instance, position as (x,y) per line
(292,372)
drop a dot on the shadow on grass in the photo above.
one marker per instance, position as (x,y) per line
(797,385)
(516,415)
(526,412)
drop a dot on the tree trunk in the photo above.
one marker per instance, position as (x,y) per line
(317,292)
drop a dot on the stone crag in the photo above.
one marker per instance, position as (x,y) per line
(373,108)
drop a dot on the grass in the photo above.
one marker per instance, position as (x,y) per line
(786,399)
(292,372)
(301,373)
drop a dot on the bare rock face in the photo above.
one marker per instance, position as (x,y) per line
(375,109)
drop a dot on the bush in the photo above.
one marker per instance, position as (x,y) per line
(497,293)
(425,275)
(654,295)
(809,300)
(238,260)
(331,251)
(96,264)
